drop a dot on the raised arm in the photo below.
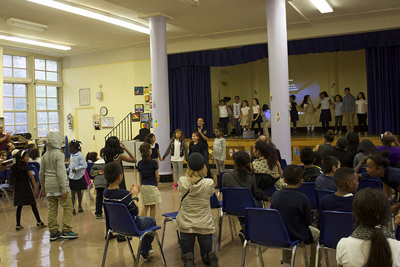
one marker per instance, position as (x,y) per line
(123,157)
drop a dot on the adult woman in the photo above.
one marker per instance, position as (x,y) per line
(113,151)
(327,143)
(194,218)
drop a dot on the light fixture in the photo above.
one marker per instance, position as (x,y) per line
(91,14)
(322,6)
(194,3)
(32,42)
(27,24)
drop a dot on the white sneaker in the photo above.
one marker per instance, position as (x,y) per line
(335,131)
(340,132)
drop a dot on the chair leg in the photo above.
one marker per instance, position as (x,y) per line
(215,243)
(163,231)
(244,253)
(305,254)
(131,249)
(317,254)
(139,249)
(161,249)
(260,255)
(179,238)
(106,248)
(230,224)
(5,193)
(326,257)
(294,256)
(220,231)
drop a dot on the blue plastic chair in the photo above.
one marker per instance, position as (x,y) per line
(397,233)
(36,164)
(308,188)
(320,193)
(265,227)
(368,183)
(220,189)
(283,164)
(334,225)
(235,201)
(269,191)
(120,221)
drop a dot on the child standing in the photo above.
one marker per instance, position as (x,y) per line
(244,118)
(155,148)
(195,145)
(100,184)
(223,115)
(22,179)
(149,179)
(337,107)
(54,181)
(294,114)
(308,108)
(219,152)
(362,112)
(324,103)
(76,169)
(178,151)
(236,115)
(256,115)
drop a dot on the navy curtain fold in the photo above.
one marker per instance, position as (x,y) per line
(189,98)
(383,81)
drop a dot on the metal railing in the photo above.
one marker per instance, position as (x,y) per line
(123,130)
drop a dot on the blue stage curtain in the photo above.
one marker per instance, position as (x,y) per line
(189,98)
(383,80)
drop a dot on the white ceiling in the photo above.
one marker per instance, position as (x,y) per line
(215,23)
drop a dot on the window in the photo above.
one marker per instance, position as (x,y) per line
(15,108)
(14,66)
(47,109)
(46,70)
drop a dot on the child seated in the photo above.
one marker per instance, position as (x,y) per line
(346,180)
(113,174)
(311,172)
(295,210)
(325,181)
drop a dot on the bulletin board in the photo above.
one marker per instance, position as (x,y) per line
(107,122)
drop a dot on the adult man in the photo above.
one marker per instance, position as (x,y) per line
(394,151)
(348,108)
(4,139)
(236,115)
(203,140)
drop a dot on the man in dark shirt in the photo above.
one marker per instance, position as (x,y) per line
(203,140)
(339,151)
(295,210)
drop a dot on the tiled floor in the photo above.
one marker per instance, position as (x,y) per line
(31,246)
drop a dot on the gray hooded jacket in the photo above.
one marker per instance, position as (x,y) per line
(53,174)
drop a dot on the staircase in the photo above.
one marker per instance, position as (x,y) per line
(122,130)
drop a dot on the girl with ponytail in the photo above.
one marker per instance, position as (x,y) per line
(371,244)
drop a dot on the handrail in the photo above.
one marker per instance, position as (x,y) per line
(123,130)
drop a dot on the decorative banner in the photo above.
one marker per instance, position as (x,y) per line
(248,152)
(296,151)
(146,90)
(144,117)
(156,124)
(135,117)
(139,108)
(236,150)
(230,152)
(168,119)
(278,116)
(146,99)
(270,97)
(138,90)
(210,152)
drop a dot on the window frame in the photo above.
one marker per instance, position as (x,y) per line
(15,111)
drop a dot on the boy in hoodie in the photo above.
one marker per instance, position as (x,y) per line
(100,183)
(54,180)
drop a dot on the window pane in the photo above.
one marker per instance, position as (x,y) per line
(43,130)
(51,91)
(7,61)
(40,91)
(54,127)
(53,117)
(42,117)
(40,64)
(52,104)
(52,76)
(9,118)
(8,103)
(22,128)
(21,117)
(7,72)
(20,90)
(51,65)
(40,75)
(20,103)
(19,73)
(19,62)
(10,128)
(7,89)
(41,104)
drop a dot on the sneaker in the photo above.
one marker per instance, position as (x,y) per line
(99,216)
(19,227)
(55,236)
(121,238)
(336,132)
(41,225)
(145,256)
(308,133)
(211,259)
(69,235)
(175,185)
(73,212)
(80,209)
(340,132)
(188,259)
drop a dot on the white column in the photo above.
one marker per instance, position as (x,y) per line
(159,80)
(279,76)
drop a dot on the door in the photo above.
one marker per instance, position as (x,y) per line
(85,130)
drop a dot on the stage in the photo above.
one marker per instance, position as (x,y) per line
(298,143)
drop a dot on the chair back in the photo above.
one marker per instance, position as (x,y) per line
(236,200)
(214,202)
(266,227)
(320,193)
(308,188)
(220,182)
(120,220)
(283,164)
(36,164)
(334,225)
(368,183)
(397,233)
(5,175)
(269,190)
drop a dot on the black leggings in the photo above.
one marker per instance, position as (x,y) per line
(325,126)
(35,212)
(253,123)
(79,192)
(362,122)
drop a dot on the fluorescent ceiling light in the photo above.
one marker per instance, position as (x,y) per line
(91,14)
(32,42)
(194,3)
(322,6)
(27,24)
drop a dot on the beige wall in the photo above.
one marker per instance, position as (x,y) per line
(117,80)
(311,74)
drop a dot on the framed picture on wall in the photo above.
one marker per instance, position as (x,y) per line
(144,125)
(144,117)
(135,117)
(84,97)
(138,90)
(139,108)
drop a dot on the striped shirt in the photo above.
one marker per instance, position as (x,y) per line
(121,196)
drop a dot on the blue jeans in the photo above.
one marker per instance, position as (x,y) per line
(187,243)
(238,128)
(143,223)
